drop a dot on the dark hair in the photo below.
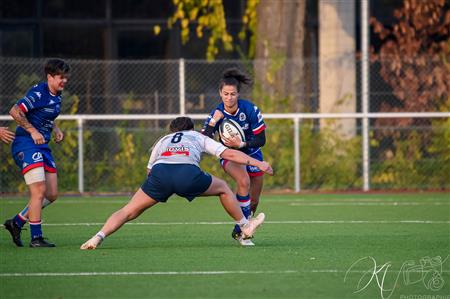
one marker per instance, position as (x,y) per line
(234,77)
(56,66)
(182,123)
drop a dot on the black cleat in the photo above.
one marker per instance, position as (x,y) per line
(40,242)
(235,235)
(14,230)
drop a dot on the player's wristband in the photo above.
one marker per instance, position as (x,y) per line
(242,144)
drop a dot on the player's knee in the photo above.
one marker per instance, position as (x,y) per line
(243,182)
(221,188)
(52,196)
(37,190)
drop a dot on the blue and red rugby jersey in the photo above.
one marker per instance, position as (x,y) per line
(41,108)
(247,116)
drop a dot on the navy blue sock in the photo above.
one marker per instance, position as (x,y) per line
(245,209)
(237,229)
(19,220)
(244,202)
(35,228)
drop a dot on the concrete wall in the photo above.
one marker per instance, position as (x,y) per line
(337,68)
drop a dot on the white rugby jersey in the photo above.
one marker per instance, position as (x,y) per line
(184,147)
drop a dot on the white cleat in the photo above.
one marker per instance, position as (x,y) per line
(245,242)
(92,243)
(249,229)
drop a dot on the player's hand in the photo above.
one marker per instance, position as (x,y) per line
(37,137)
(233,141)
(266,168)
(6,135)
(58,135)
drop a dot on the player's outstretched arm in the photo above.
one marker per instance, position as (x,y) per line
(6,135)
(241,158)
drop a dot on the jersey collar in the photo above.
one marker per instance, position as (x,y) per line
(48,89)
(236,113)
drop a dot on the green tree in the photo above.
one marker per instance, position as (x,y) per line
(275,30)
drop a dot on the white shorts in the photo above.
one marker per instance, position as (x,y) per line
(34,175)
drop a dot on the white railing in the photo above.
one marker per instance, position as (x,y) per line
(295,117)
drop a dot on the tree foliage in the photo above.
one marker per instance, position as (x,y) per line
(209,15)
(415,56)
(414,60)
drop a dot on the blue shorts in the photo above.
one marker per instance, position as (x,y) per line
(31,158)
(185,180)
(251,170)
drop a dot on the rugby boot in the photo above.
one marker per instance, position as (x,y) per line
(40,242)
(14,230)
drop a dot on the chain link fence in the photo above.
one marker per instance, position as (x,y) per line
(404,153)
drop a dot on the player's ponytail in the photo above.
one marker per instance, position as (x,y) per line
(234,77)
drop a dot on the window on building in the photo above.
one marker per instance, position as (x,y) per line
(18,9)
(141,44)
(16,42)
(81,9)
(141,9)
(73,41)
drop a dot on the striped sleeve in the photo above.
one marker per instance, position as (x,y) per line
(257,121)
(30,101)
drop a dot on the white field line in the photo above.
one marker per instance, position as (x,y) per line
(395,203)
(171,273)
(266,222)
(357,200)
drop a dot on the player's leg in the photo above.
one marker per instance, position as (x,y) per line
(51,183)
(239,173)
(227,199)
(35,179)
(256,181)
(138,204)
(256,186)
(248,227)
(51,194)
(37,193)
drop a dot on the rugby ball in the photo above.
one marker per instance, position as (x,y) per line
(229,128)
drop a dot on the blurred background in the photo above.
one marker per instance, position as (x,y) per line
(322,70)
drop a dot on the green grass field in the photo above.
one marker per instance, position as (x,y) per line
(184,250)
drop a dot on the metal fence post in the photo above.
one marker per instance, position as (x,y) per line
(80,155)
(297,154)
(365,92)
(182,87)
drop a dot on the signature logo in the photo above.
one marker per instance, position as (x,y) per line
(427,271)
